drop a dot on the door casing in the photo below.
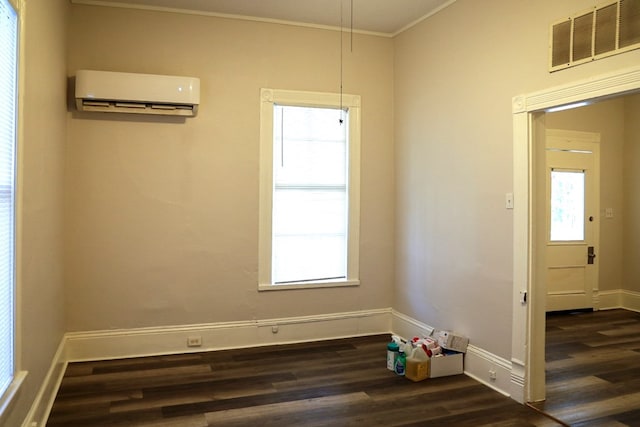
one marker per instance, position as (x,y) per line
(528,331)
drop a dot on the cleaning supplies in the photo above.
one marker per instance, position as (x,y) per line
(400,363)
(393,349)
(417,364)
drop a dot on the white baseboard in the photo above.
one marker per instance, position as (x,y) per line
(631,300)
(42,404)
(100,345)
(608,300)
(619,298)
(479,364)
(408,327)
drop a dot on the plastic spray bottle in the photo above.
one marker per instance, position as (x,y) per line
(401,361)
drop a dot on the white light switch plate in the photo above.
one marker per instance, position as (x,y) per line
(508,201)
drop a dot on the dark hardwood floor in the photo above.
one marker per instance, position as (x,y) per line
(593,368)
(331,383)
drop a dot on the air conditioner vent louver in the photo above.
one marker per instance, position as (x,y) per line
(600,32)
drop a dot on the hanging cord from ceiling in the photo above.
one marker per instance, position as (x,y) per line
(342,110)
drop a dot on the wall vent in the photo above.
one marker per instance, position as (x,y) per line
(601,31)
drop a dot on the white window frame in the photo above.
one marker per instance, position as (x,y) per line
(269,98)
(7,396)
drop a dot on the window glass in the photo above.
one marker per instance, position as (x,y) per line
(8,79)
(567,205)
(310,211)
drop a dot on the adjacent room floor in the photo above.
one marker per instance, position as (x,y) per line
(593,368)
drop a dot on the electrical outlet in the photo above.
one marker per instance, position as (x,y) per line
(194,341)
(274,329)
(492,375)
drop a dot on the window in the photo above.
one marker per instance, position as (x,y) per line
(8,91)
(567,205)
(309,189)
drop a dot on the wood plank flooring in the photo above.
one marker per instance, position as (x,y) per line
(331,383)
(593,368)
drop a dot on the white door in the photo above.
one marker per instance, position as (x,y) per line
(572,225)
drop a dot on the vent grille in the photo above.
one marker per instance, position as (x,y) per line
(602,31)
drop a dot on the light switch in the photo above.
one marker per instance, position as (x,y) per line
(508,200)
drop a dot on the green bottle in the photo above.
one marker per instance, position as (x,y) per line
(401,362)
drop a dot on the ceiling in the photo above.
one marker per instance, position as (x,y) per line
(386,17)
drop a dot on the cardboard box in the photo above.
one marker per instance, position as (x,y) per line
(451,341)
(449,364)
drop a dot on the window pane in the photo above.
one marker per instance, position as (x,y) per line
(307,258)
(310,146)
(309,212)
(309,217)
(8,60)
(567,205)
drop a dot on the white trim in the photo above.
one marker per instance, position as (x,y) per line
(517,380)
(43,402)
(630,300)
(419,20)
(6,398)
(233,16)
(126,343)
(405,326)
(619,298)
(608,300)
(606,85)
(589,89)
(260,19)
(268,98)
(478,364)
(309,285)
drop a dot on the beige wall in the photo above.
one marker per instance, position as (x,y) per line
(632,195)
(41,157)
(162,216)
(453,135)
(608,119)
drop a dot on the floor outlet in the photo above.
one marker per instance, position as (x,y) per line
(195,341)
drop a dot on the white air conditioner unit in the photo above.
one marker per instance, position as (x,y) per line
(111,92)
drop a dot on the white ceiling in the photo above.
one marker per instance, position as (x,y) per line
(378,16)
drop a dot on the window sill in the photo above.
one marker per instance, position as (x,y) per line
(9,395)
(309,285)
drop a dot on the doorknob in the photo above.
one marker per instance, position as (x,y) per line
(591,255)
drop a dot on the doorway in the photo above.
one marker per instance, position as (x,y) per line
(571,183)
(529,304)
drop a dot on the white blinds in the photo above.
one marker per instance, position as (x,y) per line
(310,197)
(8,84)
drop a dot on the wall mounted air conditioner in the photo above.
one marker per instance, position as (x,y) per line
(111,92)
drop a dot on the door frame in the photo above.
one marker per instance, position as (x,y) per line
(528,332)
